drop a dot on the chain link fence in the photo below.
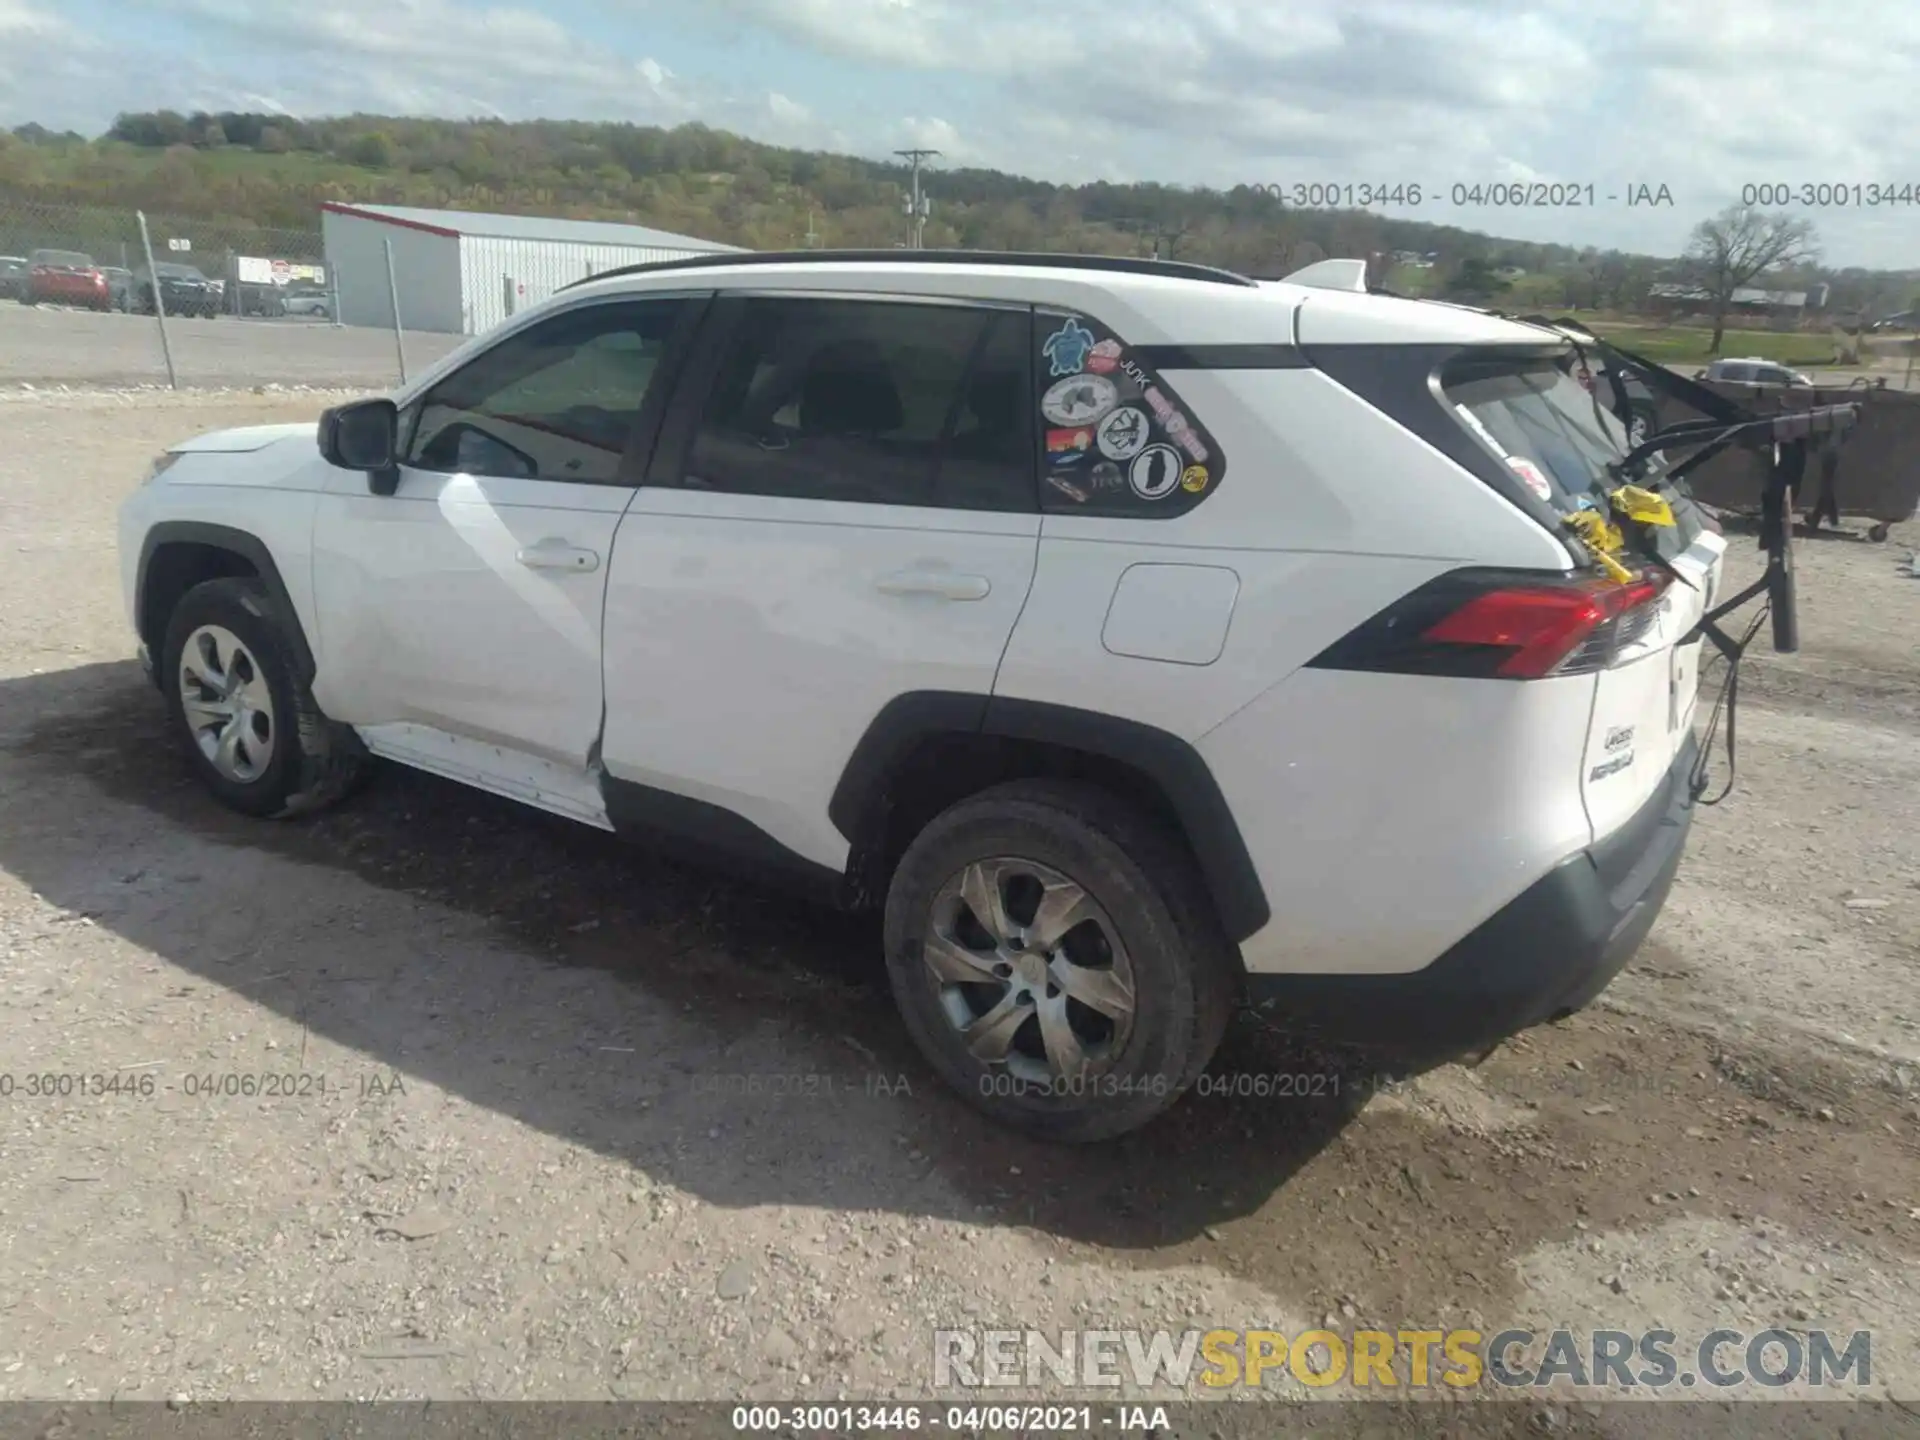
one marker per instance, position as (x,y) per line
(250,271)
(87,299)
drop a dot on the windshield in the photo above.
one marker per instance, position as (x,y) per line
(178,272)
(66,259)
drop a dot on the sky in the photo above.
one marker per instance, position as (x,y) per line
(1701,98)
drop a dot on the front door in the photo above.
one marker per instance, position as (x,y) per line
(460,616)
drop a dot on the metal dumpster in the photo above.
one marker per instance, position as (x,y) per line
(1874,477)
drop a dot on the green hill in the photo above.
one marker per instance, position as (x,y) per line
(271,171)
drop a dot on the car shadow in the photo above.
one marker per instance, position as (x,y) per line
(727,993)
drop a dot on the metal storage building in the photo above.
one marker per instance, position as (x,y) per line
(460,273)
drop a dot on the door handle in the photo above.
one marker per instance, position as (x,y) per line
(943,583)
(557,555)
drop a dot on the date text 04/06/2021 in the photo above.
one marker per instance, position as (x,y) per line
(1029,1419)
(141,1082)
(1501,194)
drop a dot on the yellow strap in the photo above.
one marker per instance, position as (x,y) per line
(1603,538)
(1642,506)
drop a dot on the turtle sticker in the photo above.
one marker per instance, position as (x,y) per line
(1067,349)
(1155,472)
(1124,432)
(1194,479)
(1079,399)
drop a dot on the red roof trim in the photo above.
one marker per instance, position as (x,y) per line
(339,208)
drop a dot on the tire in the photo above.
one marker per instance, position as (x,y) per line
(1643,419)
(296,763)
(1149,923)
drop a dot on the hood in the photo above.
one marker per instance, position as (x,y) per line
(244,439)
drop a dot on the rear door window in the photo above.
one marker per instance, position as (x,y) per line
(871,402)
(1115,439)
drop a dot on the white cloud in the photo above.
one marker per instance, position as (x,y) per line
(1213,92)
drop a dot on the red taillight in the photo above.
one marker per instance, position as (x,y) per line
(1501,625)
(1542,627)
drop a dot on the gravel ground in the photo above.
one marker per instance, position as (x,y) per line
(523,1161)
(49,346)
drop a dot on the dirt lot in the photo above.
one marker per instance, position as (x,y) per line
(521,1164)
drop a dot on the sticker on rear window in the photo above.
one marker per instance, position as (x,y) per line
(1532,476)
(1117,438)
(1079,400)
(1474,423)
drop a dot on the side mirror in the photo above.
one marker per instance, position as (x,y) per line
(364,436)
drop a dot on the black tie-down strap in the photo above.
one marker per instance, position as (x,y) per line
(1776,536)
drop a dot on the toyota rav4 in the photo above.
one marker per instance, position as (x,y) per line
(1141,640)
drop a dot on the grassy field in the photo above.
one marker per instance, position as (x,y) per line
(1681,344)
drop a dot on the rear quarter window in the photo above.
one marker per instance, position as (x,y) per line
(1115,439)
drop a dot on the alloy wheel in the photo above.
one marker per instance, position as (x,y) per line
(1029,970)
(227,704)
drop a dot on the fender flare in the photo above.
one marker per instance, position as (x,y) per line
(1172,765)
(237,542)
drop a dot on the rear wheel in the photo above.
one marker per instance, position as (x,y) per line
(1053,954)
(250,727)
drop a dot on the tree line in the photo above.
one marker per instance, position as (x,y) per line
(275,170)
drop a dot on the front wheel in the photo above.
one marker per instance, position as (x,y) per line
(1053,954)
(247,720)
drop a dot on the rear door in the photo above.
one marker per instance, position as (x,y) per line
(846,510)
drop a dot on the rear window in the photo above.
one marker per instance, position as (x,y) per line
(1554,434)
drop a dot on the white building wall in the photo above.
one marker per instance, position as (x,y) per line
(426,270)
(533,270)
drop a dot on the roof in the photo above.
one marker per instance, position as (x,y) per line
(1153,302)
(526,227)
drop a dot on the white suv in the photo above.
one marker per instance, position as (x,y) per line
(1143,639)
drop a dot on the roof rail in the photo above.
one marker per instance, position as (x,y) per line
(1168,269)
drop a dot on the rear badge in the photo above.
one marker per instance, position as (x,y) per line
(1532,476)
(1611,767)
(1619,737)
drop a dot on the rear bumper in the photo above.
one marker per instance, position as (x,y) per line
(1548,953)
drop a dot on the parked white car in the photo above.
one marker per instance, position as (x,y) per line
(1142,639)
(307,302)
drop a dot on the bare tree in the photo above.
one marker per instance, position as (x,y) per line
(1737,246)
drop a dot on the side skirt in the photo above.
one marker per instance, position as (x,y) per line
(493,768)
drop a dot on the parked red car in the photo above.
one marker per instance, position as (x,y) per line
(65,277)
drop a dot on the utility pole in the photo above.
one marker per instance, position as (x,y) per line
(813,238)
(918,207)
